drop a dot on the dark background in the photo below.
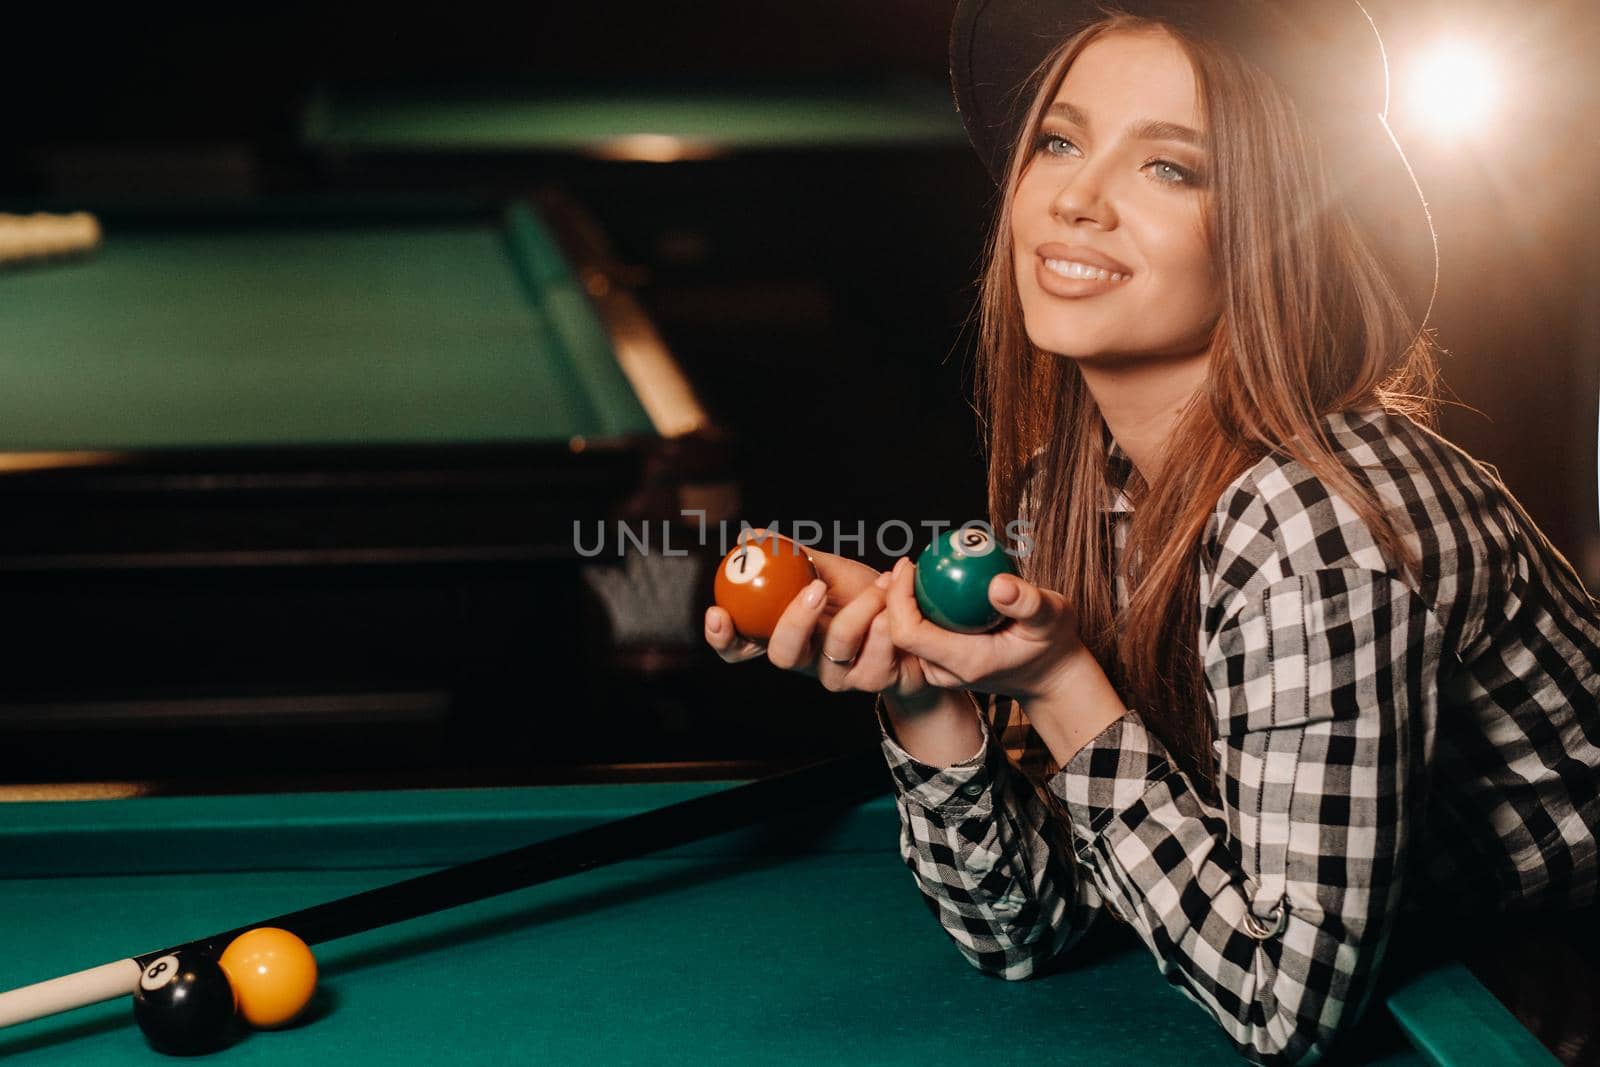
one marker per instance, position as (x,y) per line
(818,299)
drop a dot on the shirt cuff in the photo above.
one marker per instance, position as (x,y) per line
(961,790)
(1108,776)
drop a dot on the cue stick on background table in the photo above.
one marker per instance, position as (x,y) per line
(838,782)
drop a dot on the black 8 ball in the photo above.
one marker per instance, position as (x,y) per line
(184,1004)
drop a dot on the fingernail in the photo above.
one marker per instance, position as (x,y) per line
(1007,592)
(814,593)
(715,626)
(883,580)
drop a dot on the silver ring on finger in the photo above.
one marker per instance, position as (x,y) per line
(839,662)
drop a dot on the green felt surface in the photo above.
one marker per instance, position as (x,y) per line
(1454,1020)
(762,945)
(308,332)
(508,118)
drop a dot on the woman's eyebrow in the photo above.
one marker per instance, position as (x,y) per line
(1143,130)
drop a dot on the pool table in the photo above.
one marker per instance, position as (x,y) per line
(631,122)
(797,942)
(448,347)
(321,460)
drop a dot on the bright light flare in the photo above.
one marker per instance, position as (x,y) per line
(1453,89)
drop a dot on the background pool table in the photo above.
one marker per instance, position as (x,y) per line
(774,944)
(641,121)
(338,324)
(314,467)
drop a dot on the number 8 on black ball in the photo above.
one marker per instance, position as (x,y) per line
(184,1004)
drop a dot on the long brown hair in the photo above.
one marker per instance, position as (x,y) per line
(1294,342)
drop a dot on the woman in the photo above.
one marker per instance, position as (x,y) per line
(1284,666)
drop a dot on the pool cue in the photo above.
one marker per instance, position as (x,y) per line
(41,235)
(838,782)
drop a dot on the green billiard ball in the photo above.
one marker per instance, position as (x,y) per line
(952,582)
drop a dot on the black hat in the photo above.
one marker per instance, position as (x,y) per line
(1326,54)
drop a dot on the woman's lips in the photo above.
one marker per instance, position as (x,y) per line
(1059,285)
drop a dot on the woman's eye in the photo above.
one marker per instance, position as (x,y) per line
(1050,141)
(1182,176)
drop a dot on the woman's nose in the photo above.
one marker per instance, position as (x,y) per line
(1082,196)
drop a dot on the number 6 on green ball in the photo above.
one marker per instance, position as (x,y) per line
(952,580)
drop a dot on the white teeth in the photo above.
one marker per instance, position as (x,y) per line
(1070,269)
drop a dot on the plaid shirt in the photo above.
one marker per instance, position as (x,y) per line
(1381,748)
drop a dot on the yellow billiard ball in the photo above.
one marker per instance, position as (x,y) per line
(273,974)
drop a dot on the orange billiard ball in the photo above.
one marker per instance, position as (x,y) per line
(759,579)
(273,974)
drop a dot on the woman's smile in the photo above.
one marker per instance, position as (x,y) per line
(1070,278)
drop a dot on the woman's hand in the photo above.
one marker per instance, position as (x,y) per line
(839,617)
(1027,658)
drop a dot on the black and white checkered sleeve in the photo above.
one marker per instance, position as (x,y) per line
(1273,911)
(993,867)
